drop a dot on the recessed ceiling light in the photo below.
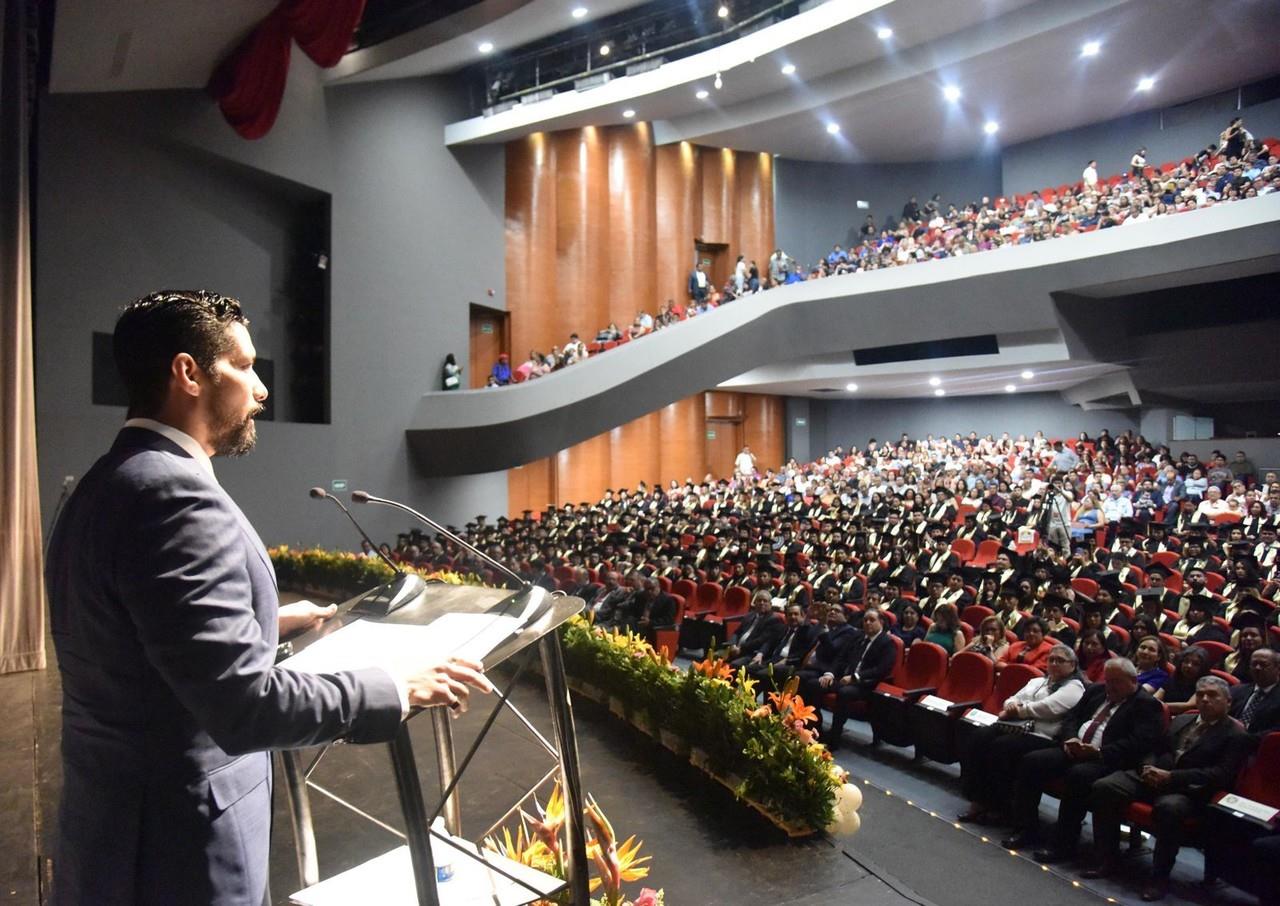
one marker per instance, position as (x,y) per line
(789,69)
(486,47)
(723,11)
(1010,388)
(1090,48)
(884,33)
(702,94)
(718,83)
(951,93)
(1146,83)
(604,50)
(628,113)
(935,382)
(833,128)
(939,392)
(579,12)
(1028,374)
(852,388)
(991,127)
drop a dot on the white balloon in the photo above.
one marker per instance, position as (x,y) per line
(852,796)
(846,824)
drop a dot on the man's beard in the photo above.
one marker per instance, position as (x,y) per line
(233,435)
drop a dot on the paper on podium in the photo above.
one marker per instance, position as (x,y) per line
(365,643)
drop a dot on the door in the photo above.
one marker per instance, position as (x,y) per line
(488,339)
(714,258)
(723,440)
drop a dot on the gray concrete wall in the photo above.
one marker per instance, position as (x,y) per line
(816,204)
(143,191)
(1170,134)
(845,422)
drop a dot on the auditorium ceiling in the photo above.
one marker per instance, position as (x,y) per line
(1018,65)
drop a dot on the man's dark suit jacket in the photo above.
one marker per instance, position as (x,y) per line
(163,613)
(1133,732)
(881,657)
(1266,717)
(765,630)
(831,646)
(806,636)
(1208,766)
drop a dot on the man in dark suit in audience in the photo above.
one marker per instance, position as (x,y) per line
(165,616)
(1114,726)
(867,663)
(757,632)
(1200,755)
(786,654)
(1257,704)
(825,657)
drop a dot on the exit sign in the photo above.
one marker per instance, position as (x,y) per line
(801,422)
(338,484)
(486,327)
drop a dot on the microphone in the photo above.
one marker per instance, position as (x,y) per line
(322,494)
(365,497)
(389,596)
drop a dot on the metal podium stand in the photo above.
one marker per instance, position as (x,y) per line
(436,600)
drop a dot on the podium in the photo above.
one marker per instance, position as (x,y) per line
(409,874)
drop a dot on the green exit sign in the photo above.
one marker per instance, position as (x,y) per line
(338,484)
(801,422)
(711,435)
(486,327)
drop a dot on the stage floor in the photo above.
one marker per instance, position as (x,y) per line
(706,848)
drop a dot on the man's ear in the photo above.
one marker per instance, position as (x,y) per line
(185,374)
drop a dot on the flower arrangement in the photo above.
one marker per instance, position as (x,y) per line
(538,843)
(345,573)
(766,753)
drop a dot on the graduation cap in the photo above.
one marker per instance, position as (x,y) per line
(1090,606)
(1207,603)
(1055,600)
(1158,568)
(1249,617)
(1155,528)
(1150,594)
(1011,588)
(940,578)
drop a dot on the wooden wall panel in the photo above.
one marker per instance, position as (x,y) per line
(719,196)
(753,196)
(631,217)
(578,300)
(634,453)
(600,223)
(764,429)
(681,453)
(582,471)
(530,246)
(723,404)
(678,203)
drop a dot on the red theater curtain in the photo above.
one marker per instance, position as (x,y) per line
(249,84)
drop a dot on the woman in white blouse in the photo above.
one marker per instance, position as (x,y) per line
(990,762)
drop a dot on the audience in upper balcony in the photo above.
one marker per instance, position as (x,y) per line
(1235,168)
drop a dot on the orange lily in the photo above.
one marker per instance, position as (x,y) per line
(714,668)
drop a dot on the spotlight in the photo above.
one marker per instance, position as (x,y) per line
(852,388)
(833,128)
(628,113)
(1010,388)
(1146,83)
(939,392)
(935,382)
(719,82)
(1028,374)
(951,93)
(723,11)
(1090,48)
(604,50)
(485,47)
(702,94)
(789,69)
(884,33)
(579,12)
(991,127)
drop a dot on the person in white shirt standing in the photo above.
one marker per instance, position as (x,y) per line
(1090,175)
(744,464)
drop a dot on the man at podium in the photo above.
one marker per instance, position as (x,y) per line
(165,618)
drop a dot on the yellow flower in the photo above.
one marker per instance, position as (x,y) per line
(547,829)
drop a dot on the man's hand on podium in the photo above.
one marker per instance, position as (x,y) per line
(448,683)
(302,616)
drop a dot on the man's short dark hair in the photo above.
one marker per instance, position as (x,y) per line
(152,330)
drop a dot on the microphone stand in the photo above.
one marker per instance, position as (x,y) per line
(389,596)
(365,497)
